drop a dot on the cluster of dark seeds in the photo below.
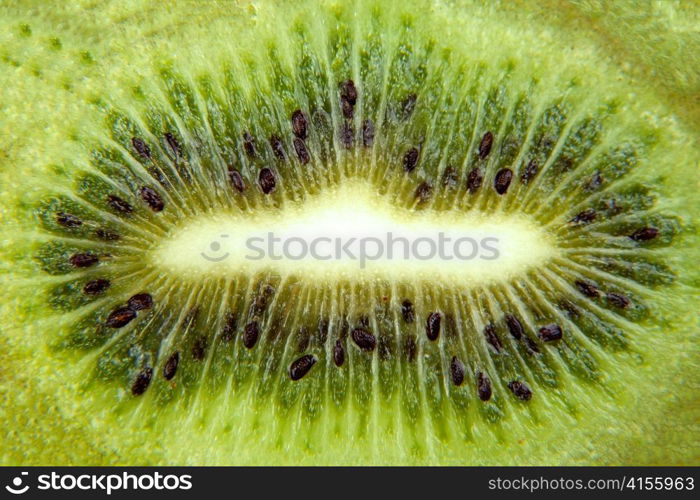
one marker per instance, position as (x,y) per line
(122,316)
(300,130)
(361,335)
(590,290)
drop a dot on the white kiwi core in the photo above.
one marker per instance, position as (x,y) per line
(352,233)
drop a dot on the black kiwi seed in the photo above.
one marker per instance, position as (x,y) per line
(457,371)
(502,180)
(347,135)
(571,310)
(407,311)
(424,191)
(267,181)
(141,147)
(250,334)
(367,133)
(520,389)
(103,234)
(158,175)
(594,182)
(302,151)
(410,160)
(120,317)
(338,353)
(263,299)
(531,345)
(277,147)
(152,198)
(432,326)
(485,145)
(190,317)
(95,287)
(588,289)
(618,300)
(492,338)
(229,330)
(347,109)
(300,124)
(530,171)
(170,367)
(474,180)
(408,105)
(83,259)
(236,180)
(322,330)
(363,321)
(645,234)
(348,92)
(142,381)
(173,143)
(68,220)
(140,302)
(410,348)
(483,386)
(199,349)
(364,340)
(348,98)
(551,332)
(119,205)
(584,217)
(301,366)
(514,326)
(450,177)
(248,144)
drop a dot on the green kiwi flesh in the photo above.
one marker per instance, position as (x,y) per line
(582,352)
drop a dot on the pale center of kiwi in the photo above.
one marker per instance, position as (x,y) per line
(351,233)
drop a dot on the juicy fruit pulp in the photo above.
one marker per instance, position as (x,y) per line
(409,367)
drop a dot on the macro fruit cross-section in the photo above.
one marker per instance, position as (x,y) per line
(136,137)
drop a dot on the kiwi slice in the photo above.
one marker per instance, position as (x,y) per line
(134,135)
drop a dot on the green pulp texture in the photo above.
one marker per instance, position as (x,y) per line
(82,81)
